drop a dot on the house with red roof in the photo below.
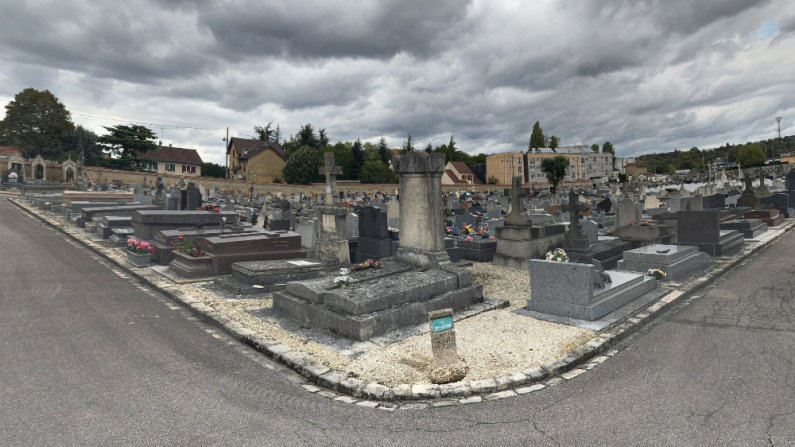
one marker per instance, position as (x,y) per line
(255,160)
(174,160)
(457,173)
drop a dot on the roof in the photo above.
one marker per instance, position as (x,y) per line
(249,148)
(636,165)
(454,178)
(8,150)
(174,155)
(461,167)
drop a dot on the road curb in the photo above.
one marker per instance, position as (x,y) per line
(589,355)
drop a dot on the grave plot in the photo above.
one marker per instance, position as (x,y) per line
(676,261)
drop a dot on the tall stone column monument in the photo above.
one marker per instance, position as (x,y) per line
(421,211)
(332,244)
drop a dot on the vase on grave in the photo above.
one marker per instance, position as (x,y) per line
(191,266)
(139,260)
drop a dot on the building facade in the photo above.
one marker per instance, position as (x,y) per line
(173,160)
(255,160)
(458,173)
(584,165)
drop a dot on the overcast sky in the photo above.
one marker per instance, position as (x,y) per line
(649,76)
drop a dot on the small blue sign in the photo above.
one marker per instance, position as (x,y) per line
(442,324)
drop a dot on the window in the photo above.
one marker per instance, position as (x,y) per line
(520,169)
(186,169)
(151,167)
(170,167)
(520,161)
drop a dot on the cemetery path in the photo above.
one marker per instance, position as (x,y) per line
(90,358)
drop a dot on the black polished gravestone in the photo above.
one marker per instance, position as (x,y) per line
(779,201)
(193,196)
(714,202)
(605,205)
(702,229)
(373,242)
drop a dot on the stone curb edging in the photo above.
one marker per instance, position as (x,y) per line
(519,383)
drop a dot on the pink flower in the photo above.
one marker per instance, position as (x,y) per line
(491,237)
(469,238)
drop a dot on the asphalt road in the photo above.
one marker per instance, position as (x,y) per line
(89,358)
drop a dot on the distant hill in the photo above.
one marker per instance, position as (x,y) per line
(694,157)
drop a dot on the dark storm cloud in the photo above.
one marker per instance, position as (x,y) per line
(646,75)
(328,29)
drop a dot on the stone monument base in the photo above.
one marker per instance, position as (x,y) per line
(377,301)
(567,289)
(728,242)
(517,245)
(478,249)
(677,262)
(750,228)
(268,276)
(643,235)
(609,253)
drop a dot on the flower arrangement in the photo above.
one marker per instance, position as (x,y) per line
(241,216)
(184,245)
(658,274)
(645,223)
(632,222)
(558,255)
(139,247)
(368,264)
(210,207)
(482,230)
(468,238)
(467,229)
(343,280)
(393,230)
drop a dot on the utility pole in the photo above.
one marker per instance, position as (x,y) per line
(778,120)
(226,151)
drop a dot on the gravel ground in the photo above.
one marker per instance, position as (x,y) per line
(492,344)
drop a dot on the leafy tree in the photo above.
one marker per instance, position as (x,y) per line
(128,141)
(377,172)
(751,155)
(370,153)
(302,167)
(343,157)
(449,153)
(429,148)
(80,141)
(277,135)
(553,143)
(607,148)
(384,152)
(322,138)
(357,152)
(265,133)
(306,137)
(452,144)
(408,146)
(622,178)
(290,146)
(595,147)
(668,169)
(685,161)
(555,170)
(478,159)
(213,170)
(33,120)
(493,180)
(536,137)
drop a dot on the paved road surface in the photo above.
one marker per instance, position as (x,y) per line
(88,358)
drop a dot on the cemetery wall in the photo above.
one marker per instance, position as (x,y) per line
(97,175)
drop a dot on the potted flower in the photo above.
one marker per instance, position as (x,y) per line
(138,252)
(394,233)
(632,222)
(210,207)
(190,259)
(658,274)
(483,231)
(557,255)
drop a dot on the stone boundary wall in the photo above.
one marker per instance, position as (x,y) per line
(96,175)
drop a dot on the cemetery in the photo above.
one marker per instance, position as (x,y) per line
(454,290)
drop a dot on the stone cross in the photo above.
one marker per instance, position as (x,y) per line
(574,209)
(331,171)
(748,182)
